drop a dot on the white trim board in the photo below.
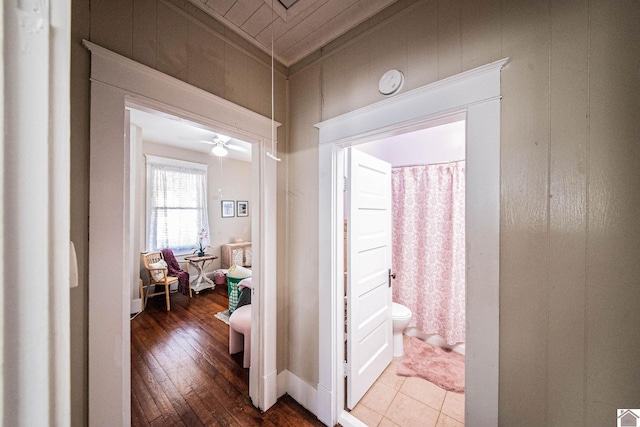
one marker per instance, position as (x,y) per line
(476,95)
(117,83)
(300,391)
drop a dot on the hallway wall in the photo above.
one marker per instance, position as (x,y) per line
(182,41)
(569,352)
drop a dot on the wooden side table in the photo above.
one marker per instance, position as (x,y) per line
(202,281)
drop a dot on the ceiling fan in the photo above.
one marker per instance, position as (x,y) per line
(221,145)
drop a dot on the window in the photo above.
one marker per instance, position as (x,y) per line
(176,204)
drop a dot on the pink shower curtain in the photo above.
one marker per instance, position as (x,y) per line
(429,247)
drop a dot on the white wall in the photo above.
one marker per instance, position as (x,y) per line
(438,144)
(234,181)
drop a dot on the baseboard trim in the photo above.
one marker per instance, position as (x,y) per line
(272,390)
(136,306)
(298,389)
(348,420)
(325,401)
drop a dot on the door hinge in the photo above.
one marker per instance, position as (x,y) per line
(345,368)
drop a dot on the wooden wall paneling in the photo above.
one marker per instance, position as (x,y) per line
(172,42)
(388,51)
(206,60)
(524,230)
(613,336)
(481,36)
(111,25)
(79,210)
(302,208)
(145,29)
(449,38)
(237,81)
(345,82)
(567,207)
(259,88)
(422,45)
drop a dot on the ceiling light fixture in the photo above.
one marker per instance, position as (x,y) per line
(219,151)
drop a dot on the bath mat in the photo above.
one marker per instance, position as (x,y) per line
(441,367)
(223,315)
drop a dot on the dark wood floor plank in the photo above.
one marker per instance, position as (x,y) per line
(156,384)
(172,360)
(142,396)
(171,364)
(183,375)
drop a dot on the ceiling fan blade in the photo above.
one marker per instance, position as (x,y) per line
(235,147)
(206,141)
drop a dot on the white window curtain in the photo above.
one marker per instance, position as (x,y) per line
(176,204)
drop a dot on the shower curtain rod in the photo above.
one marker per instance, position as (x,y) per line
(428,164)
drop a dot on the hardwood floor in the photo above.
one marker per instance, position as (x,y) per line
(182,374)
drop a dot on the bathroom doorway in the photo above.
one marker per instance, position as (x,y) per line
(433,159)
(476,95)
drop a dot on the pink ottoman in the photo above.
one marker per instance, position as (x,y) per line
(239,325)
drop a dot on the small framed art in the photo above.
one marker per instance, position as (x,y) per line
(228,209)
(242,207)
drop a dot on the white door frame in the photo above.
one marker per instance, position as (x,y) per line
(475,94)
(35,252)
(116,82)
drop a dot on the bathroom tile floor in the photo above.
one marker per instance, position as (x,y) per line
(395,401)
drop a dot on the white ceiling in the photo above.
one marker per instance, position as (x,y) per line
(439,144)
(298,31)
(174,131)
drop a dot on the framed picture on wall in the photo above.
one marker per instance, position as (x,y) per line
(228,208)
(242,208)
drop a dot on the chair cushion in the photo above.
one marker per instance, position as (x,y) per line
(240,320)
(158,275)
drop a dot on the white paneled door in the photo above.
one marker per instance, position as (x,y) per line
(369,322)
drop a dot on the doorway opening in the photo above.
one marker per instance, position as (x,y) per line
(188,217)
(117,82)
(474,94)
(427,223)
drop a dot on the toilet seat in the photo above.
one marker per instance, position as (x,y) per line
(399,311)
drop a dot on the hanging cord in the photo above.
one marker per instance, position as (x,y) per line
(220,182)
(274,148)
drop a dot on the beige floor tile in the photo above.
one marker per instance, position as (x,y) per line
(379,397)
(454,406)
(366,415)
(390,378)
(446,421)
(386,422)
(424,391)
(408,412)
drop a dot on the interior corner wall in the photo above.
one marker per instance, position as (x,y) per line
(177,39)
(569,156)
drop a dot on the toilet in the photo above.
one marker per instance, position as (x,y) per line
(401,316)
